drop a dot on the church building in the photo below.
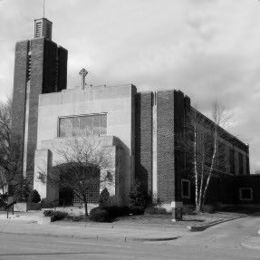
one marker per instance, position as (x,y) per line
(141,131)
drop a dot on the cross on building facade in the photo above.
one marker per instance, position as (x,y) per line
(83,73)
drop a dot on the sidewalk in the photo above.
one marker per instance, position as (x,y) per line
(100,231)
(252,242)
(142,228)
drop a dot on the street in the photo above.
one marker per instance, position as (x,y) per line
(219,242)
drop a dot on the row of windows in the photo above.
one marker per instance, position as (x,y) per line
(245,194)
(205,145)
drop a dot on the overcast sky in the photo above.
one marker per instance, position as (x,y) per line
(207,48)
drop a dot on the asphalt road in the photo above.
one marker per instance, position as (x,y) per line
(220,242)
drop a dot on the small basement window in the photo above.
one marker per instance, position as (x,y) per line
(185,189)
(245,194)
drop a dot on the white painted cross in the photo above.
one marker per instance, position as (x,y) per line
(83,73)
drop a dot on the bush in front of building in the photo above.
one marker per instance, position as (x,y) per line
(118,211)
(108,214)
(104,198)
(138,199)
(137,210)
(46,204)
(100,215)
(22,192)
(55,215)
(153,210)
(34,197)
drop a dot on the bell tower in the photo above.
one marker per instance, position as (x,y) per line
(40,67)
(43,28)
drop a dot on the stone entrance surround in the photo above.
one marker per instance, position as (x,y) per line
(50,155)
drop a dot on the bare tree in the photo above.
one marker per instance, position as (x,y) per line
(201,145)
(82,165)
(5,141)
(10,155)
(217,116)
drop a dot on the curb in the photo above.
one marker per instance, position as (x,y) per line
(211,224)
(156,239)
(38,220)
(94,237)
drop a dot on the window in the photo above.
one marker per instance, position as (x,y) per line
(221,155)
(245,194)
(185,189)
(232,160)
(247,165)
(241,163)
(95,124)
(38,29)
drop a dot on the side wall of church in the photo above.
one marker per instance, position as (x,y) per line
(231,161)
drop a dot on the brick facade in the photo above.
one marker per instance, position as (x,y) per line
(143,139)
(165,146)
(19,96)
(41,65)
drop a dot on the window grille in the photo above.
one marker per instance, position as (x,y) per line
(83,125)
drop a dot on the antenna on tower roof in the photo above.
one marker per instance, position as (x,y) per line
(43,9)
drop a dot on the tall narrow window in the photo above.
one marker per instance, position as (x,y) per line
(241,163)
(185,189)
(232,160)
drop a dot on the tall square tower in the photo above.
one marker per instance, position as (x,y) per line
(40,67)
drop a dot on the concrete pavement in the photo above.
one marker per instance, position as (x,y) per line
(219,242)
(252,242)
(103,231)
(28,224)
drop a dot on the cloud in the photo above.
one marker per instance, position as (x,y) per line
(208,49)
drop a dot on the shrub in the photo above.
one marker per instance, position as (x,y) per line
(138,199)
(46,204)
(34,197)
(104,198)
(100,215)
(155,210)
(22,192)
(137,210)
(58,215)
(55,215)
(48,213)
(76,218)
(117,211)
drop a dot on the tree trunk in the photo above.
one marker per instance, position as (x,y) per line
(86,205)
(195,167)
(211,166)
(202,177)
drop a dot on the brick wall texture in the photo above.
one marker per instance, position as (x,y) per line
(62,68)
(165,146)
(48,74)
(143,139)
(19,94)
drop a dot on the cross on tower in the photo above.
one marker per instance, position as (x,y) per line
(83,73)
